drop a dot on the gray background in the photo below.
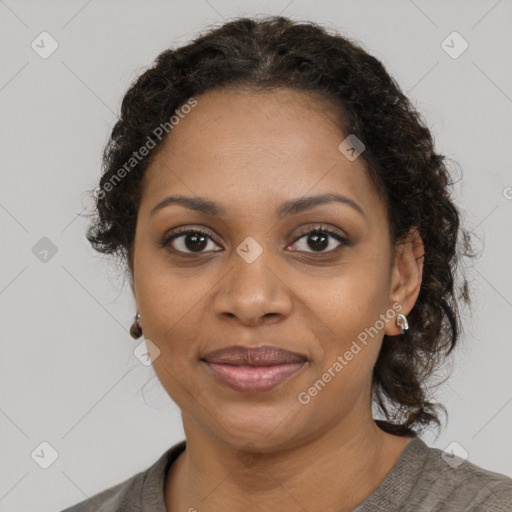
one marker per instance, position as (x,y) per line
(68,374)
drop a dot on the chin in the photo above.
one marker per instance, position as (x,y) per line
(264,426)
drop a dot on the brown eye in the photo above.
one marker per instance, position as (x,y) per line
(320,239)
(188,241)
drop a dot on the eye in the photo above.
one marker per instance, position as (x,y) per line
(188,241)
(319,239)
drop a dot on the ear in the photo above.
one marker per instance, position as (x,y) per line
(406,276)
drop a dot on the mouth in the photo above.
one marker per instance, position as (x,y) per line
(253,370)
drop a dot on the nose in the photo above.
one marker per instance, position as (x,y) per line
(253,293)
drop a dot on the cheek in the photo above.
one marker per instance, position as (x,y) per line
(167,296)
(348,299)
(344,313)
(170,308)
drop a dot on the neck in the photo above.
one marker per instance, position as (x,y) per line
(211,475)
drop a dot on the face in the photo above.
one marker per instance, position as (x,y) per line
(309,279)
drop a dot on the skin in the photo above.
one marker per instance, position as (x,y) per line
(249,152)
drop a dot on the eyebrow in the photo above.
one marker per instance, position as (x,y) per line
(291,207)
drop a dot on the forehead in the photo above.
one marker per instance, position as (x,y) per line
(248,147)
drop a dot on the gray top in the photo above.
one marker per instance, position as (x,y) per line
(420,481)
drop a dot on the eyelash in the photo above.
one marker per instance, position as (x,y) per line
(316,230)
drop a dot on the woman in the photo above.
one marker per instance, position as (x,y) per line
(292,248)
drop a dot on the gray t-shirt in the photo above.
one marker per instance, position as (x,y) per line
(420,481)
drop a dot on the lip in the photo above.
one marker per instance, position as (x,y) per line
(265,355)
(253,370)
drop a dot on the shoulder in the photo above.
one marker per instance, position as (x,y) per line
(454,484)
(113,499)
(143,491)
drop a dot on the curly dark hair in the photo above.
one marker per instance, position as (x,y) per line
(409,175)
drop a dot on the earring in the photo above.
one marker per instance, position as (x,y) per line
(136,329)
(401,320)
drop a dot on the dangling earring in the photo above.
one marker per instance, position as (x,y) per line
(136,329)
(401,320)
